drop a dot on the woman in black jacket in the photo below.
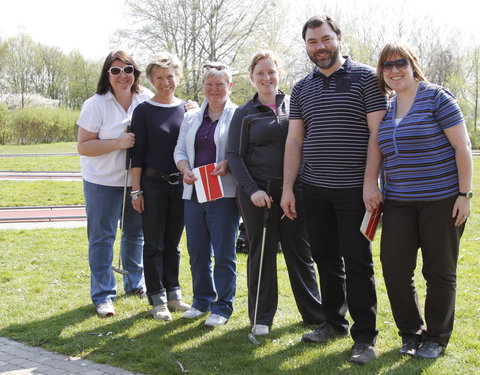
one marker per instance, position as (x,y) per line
(255,153)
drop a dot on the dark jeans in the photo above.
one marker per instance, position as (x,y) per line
(162,230)
(292,234)
(344,259)
(406,227)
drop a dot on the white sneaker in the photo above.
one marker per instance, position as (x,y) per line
(215,320)
(260,330)
(105,309)
(192,313)
(161,312)
(178,305)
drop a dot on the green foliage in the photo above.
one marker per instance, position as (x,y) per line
(4,128)
(42,125)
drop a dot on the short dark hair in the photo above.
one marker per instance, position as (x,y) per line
(103,85)
(317,21)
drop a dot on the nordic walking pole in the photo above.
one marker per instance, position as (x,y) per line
(266,210)
(127,167)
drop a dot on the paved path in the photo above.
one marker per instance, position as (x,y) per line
(20,359)
(42,214)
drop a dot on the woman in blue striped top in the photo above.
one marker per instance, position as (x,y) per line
(428,179)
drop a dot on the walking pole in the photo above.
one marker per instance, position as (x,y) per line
(127,167)
(251,335)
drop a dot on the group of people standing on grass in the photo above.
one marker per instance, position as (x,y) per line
(313,160)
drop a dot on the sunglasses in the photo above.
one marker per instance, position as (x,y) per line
(115,70)
(210,67)
(400,64)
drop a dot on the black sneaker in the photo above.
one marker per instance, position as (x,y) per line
(362,353)
(322,334)
(429,350)
(409,347)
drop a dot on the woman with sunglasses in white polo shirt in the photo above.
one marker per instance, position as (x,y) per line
(103,141)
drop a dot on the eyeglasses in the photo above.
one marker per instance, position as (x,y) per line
(400,64)
(218,67)
(115,70)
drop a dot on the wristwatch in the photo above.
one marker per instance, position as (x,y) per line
(468,194)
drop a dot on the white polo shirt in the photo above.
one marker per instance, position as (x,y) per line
(102,114)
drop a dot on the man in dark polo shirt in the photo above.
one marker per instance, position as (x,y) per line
(335,112)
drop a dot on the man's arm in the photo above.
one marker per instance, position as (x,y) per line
(292,162)
(371,192)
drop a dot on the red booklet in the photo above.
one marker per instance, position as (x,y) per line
(207,186)
(370,222)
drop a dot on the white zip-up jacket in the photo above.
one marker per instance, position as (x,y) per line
(185,149)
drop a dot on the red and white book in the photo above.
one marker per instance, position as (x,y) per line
(207,186)
(370,222)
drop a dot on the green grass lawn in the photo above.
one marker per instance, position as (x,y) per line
(40,148)
(40,163)
(44,289)
(46,193)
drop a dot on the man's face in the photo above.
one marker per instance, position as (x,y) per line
(323,46)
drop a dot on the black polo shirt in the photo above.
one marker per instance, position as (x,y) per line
(334,110)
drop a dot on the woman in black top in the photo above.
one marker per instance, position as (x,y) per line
(156,185)
(255,153)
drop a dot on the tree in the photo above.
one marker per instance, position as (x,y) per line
(197,31)
(18,56)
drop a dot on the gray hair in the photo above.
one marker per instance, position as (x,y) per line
(216,68)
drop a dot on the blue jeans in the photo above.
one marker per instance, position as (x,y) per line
(104,210)
(212,226)
(162,228)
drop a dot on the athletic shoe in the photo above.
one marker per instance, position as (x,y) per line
(409,347)
(178,305)
(215,320)
(429,350)
(161,312)
(362,353)
(105,309)
(192,313)
(260,330)
(322,334)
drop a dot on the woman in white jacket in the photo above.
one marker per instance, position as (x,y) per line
(211,226)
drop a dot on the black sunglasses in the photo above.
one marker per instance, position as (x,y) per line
(218,67)
(115,70)
(400,64)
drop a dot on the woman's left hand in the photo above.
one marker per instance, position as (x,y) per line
(190,104)
(461,210)
(221,169)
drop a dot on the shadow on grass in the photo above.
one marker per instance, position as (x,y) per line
(182,345)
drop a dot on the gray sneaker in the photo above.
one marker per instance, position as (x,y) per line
(322,334)
(362,353)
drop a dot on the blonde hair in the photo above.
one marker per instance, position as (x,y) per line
(165,60)
(267,54)
(402,49)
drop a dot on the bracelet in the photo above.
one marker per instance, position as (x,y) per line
(134,194)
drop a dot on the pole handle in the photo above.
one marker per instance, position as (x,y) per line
(266,210)
(127,158)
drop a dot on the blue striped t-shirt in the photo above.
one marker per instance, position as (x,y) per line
(419,160)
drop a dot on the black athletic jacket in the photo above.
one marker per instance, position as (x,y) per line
(256,143)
